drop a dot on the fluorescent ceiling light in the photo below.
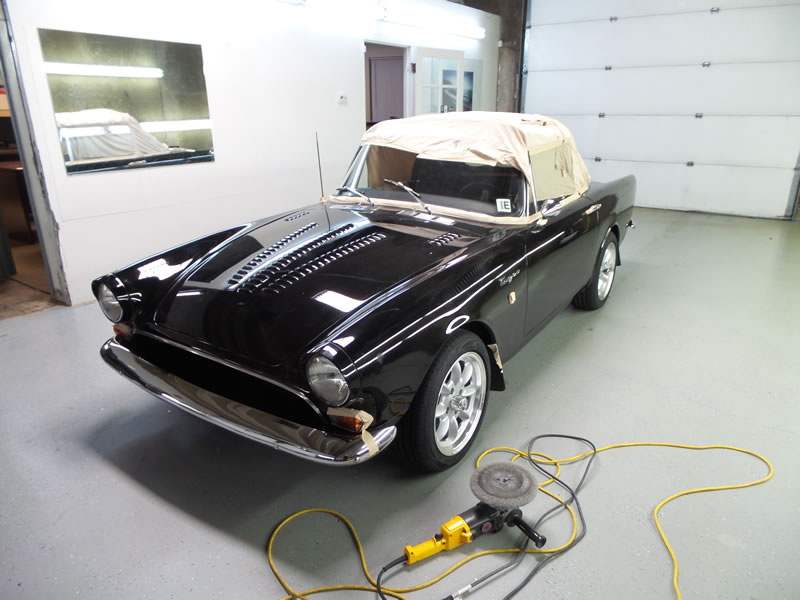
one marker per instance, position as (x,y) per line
(338,301)
(59,68)
(432,22)
(183,125)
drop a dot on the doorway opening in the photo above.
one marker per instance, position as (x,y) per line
(384,68)
(24,287)
(25,282)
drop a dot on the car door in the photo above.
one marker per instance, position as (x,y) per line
(560,254)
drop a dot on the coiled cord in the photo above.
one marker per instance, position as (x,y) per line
(539,461)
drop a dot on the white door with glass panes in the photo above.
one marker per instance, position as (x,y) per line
(439,81)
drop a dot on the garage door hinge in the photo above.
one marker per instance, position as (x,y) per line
(698,115)
(690,163)
(612,19)
(706,63)
(608,67)
(597,159)
(601,115)
(714,10)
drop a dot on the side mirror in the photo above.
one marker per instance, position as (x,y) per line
(551,208)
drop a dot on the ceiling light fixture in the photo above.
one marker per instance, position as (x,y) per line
(59,68)
(430,21)
(182,125)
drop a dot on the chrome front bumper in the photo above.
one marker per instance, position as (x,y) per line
(306,442)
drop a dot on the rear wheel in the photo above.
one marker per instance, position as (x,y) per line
(448,410)
(596,292)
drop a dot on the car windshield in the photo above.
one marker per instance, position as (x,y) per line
(485,189)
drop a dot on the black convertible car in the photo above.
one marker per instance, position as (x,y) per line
(386,310)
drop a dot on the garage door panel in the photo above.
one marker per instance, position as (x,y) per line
(744,89)
(746,141)
(763,35)
(559,11)
(751,191)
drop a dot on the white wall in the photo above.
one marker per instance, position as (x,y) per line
(744,148)
(273,72)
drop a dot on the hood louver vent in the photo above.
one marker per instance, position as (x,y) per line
(258,279)
(444,239)
(287,278)
(297,215)
(267,252)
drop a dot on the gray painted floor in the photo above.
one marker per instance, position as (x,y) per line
(107,493)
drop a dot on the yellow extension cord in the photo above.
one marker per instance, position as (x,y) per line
(541,459)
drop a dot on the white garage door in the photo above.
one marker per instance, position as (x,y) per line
(700,102)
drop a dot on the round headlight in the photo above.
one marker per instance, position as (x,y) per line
(111,307)
(327,381)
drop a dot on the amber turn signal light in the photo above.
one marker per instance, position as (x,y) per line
(351,423)
(122,330)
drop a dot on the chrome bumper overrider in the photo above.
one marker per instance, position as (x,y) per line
(306,442)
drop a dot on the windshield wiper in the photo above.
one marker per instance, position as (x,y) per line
(411,193)
(355,192)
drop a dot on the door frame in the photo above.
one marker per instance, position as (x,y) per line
(46,226)
(408,82)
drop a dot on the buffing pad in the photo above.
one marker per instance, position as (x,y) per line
(503,485)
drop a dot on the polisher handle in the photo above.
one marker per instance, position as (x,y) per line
(515,518)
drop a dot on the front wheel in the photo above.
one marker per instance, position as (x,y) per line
(596,292)
(448,410)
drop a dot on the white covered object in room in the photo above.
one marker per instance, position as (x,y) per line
(104,133)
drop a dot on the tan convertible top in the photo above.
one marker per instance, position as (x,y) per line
(540,147)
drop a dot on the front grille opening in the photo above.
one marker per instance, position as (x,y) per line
(225,381)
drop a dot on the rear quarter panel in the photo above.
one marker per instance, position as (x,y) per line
(616,198)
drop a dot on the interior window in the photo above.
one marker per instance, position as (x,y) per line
(493,190)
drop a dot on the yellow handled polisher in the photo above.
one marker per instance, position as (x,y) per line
(502,488)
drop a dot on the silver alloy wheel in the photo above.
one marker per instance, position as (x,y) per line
(607,268)
(460,403)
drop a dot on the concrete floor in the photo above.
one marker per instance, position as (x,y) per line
(107,493)
(27,291)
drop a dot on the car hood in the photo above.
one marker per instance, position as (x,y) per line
(272,292)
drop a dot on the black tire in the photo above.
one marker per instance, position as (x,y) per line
(417,431)
(591,297)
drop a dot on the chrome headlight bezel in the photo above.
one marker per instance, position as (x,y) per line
(109,303)
(331,376)
(112,297)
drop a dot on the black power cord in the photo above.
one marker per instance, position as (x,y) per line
(546,515)
(397,561)
(573,498)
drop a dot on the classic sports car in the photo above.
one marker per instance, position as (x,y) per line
(386,310)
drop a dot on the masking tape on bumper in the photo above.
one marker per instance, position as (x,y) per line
(365,418)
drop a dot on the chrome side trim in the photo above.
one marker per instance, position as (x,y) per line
(298,440)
